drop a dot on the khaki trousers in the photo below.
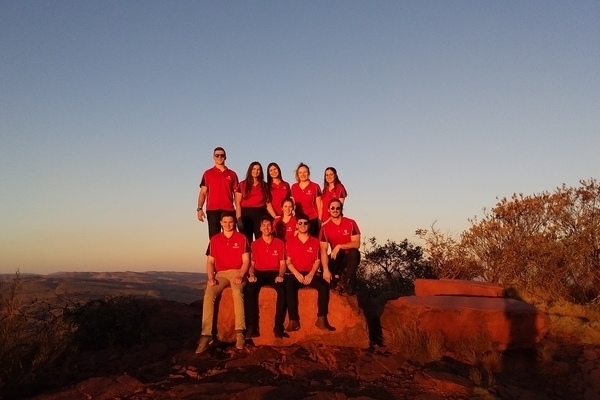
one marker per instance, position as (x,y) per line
(224,279)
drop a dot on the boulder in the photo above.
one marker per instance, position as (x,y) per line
(457,287)
(508,323)
(344,314)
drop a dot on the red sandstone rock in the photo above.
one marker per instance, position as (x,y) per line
(444,383)
(509,323)
(457,287)
(344,314)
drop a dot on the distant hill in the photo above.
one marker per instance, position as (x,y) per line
(185,287)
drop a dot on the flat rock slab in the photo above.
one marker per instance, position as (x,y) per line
(344,314)
(509,323)
(457,287)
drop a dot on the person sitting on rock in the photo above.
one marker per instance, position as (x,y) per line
(266,268)
(342,235)
(226,265)
(303,263)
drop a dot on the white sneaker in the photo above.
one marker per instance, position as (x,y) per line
(205,341)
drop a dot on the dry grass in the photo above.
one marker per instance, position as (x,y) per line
(579,323)
(479,351)
(417,345)
(30,336)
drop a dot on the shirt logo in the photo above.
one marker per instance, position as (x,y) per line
(236,245)
(228,177)
(310,249)
(274,252)
(346,232)
(308,192)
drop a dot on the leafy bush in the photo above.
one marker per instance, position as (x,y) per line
(548,242)
(392,267)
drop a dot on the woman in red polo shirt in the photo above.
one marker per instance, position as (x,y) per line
(285,226)
(251,201)
(278,189)
(332,189)
(307,197)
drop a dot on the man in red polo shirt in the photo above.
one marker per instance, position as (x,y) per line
(217,187)
(267,268)
(342,236)
(303,262)
(226,265)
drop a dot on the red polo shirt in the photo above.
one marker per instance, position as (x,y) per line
(285,231)
(306,199)
(228,251)
(267,256)
(338,192)
(279,192)
(339,234)
(303,255)
(256,197)
(221,186)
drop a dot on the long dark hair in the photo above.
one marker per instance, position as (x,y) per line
(269,177)
(250,181)
(336,180)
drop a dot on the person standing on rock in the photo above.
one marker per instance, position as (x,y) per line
(332,189)
(227,263)
(252,201)
(303,263)
(307,197)
(267,268)
(278,189)
(217,188)
(342,236)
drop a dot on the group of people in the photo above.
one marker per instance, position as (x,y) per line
(287,237)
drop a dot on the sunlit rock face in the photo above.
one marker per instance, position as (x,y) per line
(457,287)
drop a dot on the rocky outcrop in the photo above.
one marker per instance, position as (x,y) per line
(508,323)
(344,314)
(457,287)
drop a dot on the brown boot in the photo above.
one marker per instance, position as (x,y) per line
(323,324)
(292,326)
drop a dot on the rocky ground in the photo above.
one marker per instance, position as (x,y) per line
(166,367)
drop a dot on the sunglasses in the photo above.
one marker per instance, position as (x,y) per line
(219,155)
(335,208)
(303,223)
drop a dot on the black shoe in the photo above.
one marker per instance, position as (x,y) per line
(323,324)
(278,332)
(251,332)
(292,326)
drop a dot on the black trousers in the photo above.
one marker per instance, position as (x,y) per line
(345,265)
(251,218)
(315,228)
(291,293)
(251,297)
(213,218)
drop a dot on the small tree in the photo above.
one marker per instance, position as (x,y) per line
(392,266)
(549,242)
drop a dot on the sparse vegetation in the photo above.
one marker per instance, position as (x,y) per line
(31,336)
(391,267)
(549,242)
(36,334)
(415,344)
(112,321)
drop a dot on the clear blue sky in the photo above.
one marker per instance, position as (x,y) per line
(109,111)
